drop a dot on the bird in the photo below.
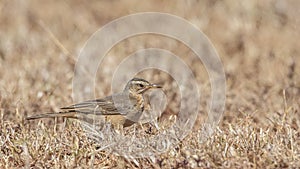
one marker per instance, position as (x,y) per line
(121,109)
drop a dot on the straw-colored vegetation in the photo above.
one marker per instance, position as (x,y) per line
(258,43)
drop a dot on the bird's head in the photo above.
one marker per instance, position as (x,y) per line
(139,86)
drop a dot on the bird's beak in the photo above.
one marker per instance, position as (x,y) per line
(155,86)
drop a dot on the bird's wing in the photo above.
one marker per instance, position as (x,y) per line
(105,106)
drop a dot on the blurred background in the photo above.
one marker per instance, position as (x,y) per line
(257,42)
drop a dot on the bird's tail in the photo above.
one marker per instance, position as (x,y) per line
(53,115)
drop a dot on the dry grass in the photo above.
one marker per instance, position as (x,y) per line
(258,45)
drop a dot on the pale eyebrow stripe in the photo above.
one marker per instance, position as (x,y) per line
(140,82)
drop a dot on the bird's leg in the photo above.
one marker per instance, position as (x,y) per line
(118,129)
(141,125)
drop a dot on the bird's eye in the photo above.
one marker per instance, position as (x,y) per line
(141,85)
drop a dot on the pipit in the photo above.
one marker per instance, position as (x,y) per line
(121,109)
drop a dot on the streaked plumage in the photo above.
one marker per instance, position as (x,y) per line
(121,109)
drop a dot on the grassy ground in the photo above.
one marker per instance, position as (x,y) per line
(258,45)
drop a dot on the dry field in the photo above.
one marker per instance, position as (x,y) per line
(258,43)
